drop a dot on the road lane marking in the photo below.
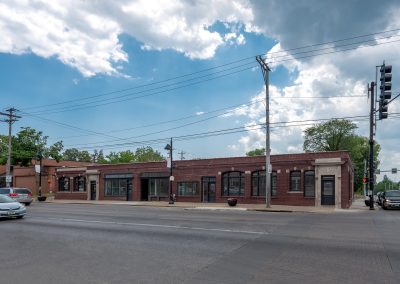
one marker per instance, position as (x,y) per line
(154,225)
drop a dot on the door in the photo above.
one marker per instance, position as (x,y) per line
(129,190)
(208,189)
(92,190)
(328,190)
(144,184)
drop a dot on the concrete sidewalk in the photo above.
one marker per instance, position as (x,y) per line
(358,205)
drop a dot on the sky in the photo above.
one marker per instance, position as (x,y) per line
(117,75)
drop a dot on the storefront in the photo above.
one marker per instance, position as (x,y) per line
(306,179)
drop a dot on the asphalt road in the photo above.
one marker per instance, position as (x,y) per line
(66,243)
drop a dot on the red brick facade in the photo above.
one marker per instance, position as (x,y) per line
(335,164)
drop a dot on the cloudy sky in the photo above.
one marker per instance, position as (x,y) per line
(115,75)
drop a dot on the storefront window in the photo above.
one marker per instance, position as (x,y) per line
(233,184)
(188,188)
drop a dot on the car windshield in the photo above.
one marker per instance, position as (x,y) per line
(393,193)
(6,199)
(4,190)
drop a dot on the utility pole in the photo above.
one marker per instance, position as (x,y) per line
(182,153)
(11,118)
(365,185)
(171,177)
(371,147)
(268,168)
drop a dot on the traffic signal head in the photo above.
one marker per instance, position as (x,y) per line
(386,87)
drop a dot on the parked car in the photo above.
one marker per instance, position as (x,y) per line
(20,194)
(9,208)
(391,199)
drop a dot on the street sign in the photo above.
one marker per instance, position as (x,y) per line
(168,162)
(37,169)
(9,178)
(269,168)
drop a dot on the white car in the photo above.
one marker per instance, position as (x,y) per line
(20,194)
(9,208)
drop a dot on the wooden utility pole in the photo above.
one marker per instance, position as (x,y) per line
(11,117)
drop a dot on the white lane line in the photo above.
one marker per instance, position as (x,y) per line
(155,225)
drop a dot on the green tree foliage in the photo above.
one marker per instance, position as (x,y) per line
(143,154)
(329,136)
(74,154)
(28,144)
(336,135)
(256,152)
(98,157)
(121,157)
(3,149)
(387,184)
(148,154)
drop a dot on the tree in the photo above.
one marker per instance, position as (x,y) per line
(98,157)
(329,136)
(147,154)
(338,135)
(74,154)
(256,152)
(121,157)
(29,143)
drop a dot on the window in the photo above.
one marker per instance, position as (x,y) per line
(295,180)
(188,188)
(309,184)
(233,183)
(115,186)
(79,184)
(63,184)
(158,187)
(274,185)
(258,183)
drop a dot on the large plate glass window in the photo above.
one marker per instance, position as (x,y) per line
(233,184)
(190,188)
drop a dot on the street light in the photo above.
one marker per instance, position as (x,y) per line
(169,148)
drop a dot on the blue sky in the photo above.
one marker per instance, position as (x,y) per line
(54,55)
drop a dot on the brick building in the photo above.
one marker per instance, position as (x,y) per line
(306,179)
(26,176)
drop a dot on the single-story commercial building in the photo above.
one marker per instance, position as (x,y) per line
(306,179)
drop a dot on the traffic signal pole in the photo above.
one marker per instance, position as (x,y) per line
(371,147)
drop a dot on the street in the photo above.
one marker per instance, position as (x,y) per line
(83,243)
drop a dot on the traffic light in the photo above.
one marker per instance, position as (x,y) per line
(365,180)
(386,87)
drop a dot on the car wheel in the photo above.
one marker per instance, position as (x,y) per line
(20,217)
(27,203)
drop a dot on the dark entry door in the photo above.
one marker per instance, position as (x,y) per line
(92,190)
(328,190)
(208,189)
(144,184)
(129,190)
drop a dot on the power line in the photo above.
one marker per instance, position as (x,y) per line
(232,109)
(225,131)
(202,71)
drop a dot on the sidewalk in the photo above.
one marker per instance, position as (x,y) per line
(358,205)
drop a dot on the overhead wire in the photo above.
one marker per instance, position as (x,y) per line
(90,104)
